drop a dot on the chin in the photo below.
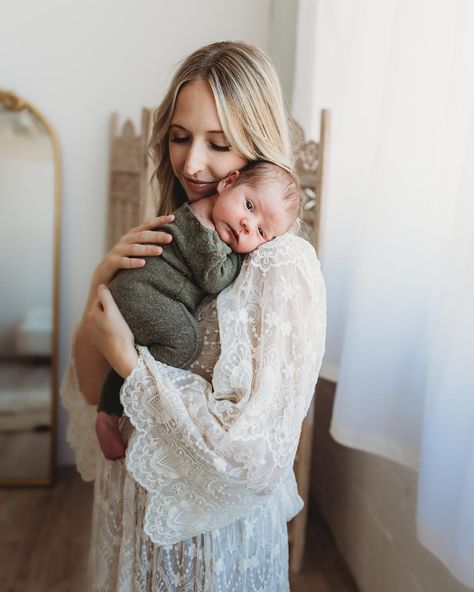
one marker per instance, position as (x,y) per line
(243,251)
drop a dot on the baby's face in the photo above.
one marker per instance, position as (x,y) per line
(246,216)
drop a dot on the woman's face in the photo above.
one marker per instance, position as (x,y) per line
(199,151)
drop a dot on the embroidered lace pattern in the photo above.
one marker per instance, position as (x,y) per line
(80,433)
(202,501)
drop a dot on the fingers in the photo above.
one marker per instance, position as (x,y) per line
(106,307)
(128,252)
(105,297)
(156,221)
(147,236)
(129,263)
(139,242)
(153,223)
(127,256)
(138,250)
(95,306)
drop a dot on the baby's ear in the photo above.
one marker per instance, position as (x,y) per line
(227,181)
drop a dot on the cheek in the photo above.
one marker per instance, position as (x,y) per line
(177,156)
(224,210)
(223,163)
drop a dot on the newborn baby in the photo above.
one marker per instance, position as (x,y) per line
(210,238)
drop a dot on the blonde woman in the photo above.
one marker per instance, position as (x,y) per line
(202,499)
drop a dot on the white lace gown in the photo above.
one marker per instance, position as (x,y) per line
(202,500)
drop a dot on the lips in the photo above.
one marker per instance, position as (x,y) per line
(200,186)
(235,234)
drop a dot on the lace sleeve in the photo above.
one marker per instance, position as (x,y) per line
(80,432)
(207,453)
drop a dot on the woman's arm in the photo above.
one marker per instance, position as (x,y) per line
(112,335)
(91,364)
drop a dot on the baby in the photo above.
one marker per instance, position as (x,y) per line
(210,238)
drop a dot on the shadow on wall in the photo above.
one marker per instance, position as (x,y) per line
(369,504)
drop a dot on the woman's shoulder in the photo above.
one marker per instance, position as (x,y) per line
(284,251)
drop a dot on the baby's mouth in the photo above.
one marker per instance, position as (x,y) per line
(236,235)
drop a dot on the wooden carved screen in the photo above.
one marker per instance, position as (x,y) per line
(129,174)
(310,165)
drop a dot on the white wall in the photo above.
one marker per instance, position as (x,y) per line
(77,62)
(282,42)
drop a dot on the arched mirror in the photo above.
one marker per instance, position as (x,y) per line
(29,246)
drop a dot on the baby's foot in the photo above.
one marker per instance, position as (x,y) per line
(108,435)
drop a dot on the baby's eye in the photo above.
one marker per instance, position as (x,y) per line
(261,232)
(249,205)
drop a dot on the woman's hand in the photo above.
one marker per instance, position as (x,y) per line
(127,253)
(92,367)
(112,334)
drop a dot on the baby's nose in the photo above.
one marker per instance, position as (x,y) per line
(246,225)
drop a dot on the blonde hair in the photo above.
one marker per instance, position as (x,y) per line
(249,104)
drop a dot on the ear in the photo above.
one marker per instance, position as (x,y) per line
(227,181)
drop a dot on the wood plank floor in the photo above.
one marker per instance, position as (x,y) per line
(44,536)
(324,569)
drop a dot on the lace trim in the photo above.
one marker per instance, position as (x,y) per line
(247,555)
(206,455)
(282,251)
(80,433)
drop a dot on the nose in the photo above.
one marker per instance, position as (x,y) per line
(247,225)
(195,159)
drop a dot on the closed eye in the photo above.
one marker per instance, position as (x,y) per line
(184,139)
(179,139)
(220,148)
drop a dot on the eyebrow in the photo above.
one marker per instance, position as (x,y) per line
(181,127)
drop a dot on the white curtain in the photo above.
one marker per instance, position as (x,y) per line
(398,241)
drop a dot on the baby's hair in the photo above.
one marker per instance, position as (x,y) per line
(260,171)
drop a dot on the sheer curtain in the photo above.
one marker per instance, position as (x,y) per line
(398,241)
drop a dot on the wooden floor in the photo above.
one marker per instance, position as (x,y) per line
(324,569)
(44,535)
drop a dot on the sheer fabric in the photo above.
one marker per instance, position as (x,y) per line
(202,501)
(399,78)
(246,555)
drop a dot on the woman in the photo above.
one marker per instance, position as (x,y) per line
(202,499)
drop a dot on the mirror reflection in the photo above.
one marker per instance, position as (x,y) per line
(27,194)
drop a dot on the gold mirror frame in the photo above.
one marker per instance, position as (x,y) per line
(13,102)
